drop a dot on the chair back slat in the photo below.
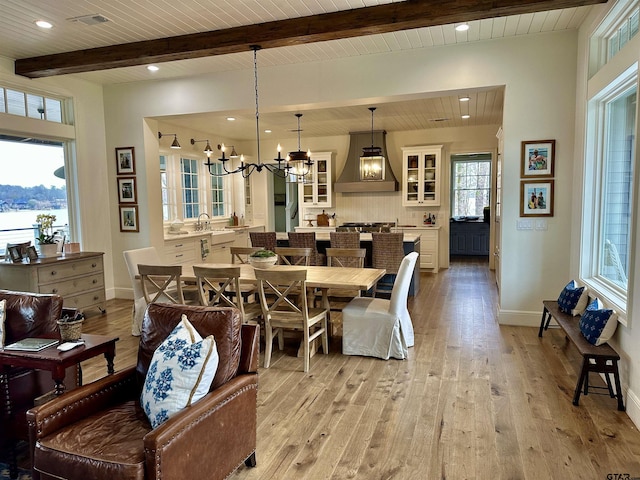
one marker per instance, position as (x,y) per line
(161,283)
(346,257)
(241,254)
(294,256)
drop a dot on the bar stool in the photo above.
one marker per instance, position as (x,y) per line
(387,253)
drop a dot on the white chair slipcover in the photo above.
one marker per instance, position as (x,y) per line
(377,327)
(144,256)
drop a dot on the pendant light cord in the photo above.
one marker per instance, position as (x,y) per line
(255,49)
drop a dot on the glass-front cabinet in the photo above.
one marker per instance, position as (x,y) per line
(421,175)
(316,187)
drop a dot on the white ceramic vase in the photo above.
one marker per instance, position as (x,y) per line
(263,262)
(48,249)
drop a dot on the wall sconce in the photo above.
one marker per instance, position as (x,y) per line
(208,150)
(223,148)
(175,143)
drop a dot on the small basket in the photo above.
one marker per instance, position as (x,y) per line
(70,330)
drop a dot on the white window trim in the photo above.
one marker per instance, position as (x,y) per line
(204,187)
(610,293)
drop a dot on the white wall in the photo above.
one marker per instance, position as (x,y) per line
(627,337)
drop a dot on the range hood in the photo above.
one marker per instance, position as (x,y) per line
(352,180)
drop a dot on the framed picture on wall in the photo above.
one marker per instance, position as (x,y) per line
(538,158)
(125,161)
(129,218)
(536,198)
(127,190)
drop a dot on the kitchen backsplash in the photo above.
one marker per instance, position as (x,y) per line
(378,207)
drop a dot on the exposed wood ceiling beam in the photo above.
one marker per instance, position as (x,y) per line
(386,18)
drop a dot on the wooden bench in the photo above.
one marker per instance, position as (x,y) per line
(600,359)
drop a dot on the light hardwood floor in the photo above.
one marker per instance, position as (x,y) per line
(475,400)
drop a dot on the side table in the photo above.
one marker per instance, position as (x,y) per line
(53,360)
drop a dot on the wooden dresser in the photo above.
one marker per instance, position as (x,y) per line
(78,277)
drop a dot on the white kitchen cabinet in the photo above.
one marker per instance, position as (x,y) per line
(220,253)
(180,251)
(317,188)
(429,247)
(421,176)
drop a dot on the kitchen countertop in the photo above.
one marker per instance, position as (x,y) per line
(205,233)
(325,236)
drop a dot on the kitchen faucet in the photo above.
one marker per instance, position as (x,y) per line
(203,226)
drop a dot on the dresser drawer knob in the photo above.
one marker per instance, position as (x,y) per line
(95,281)
(94,265)
(53,272)
(55,290)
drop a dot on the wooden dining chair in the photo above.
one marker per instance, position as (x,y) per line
(342,257)
(214,285)
(240,255)
(284,309)
(161,283)
(294,255)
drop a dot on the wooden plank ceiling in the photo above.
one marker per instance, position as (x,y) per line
(377,19)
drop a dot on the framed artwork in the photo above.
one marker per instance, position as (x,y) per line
(536,198)
(127,190)
(538,158)
(125,161)
(15,254)
(129,218)
(32,253)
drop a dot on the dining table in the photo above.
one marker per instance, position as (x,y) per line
(318,277)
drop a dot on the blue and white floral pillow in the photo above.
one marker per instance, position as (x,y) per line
(181,371)
(3,314)
(598,324)
(573,299)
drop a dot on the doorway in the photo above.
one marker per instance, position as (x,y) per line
(469,233)
(285,201)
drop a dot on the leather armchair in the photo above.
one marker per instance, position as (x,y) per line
(27,315)
(99,430)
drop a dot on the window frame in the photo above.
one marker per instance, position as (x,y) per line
(175,192)
(594,191)
(455,161)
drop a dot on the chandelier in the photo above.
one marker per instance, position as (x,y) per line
(283,168)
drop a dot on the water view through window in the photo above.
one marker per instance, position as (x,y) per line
(32,182)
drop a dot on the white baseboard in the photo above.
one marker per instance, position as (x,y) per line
(632,405)
(519,318)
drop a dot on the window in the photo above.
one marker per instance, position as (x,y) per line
(613,34)
(38,186)
(188,190)
(608,197)
(471,184)
(30,105)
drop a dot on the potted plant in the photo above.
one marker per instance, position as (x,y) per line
(48,246)
(263,258)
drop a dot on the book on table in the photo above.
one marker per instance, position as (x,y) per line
(32,344)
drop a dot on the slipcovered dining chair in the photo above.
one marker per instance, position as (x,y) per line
(214,287)
(283,308)
(377,327)
(148,256)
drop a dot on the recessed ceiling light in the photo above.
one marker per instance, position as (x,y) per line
(43,24)
(465,99)
(152,68)
(231,119)
(463,27)
(267,131)
(466,115)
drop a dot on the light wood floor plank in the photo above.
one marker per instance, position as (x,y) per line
(474,400)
